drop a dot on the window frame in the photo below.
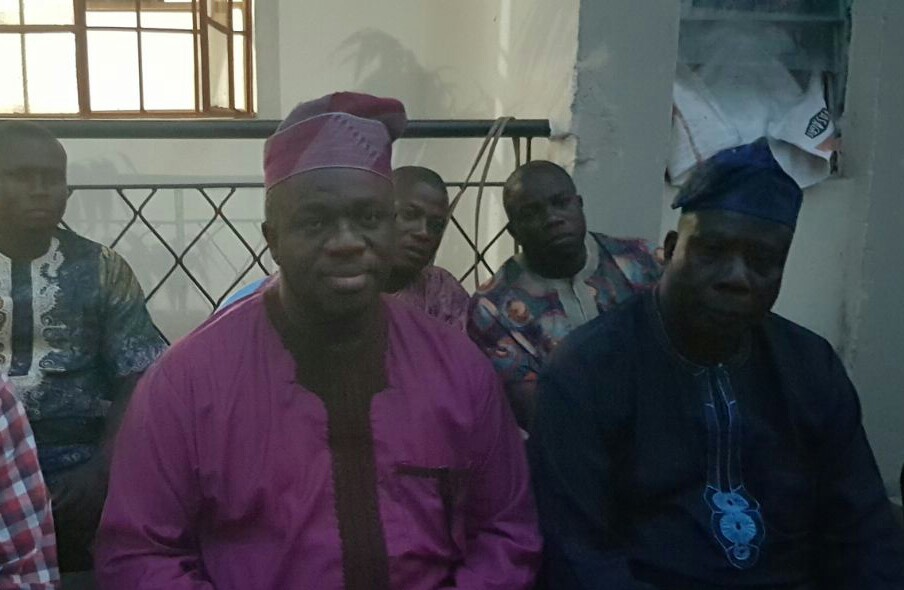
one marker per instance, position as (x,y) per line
(202,22)
(839,19)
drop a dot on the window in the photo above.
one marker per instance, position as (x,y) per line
(126,58)
(813,36)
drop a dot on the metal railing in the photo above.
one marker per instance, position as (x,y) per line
(163,246)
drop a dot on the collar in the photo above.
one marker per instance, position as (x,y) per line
(591,247)
(654,315)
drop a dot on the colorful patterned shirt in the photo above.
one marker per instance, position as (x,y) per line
(72,322)
(518,318)
(27,545)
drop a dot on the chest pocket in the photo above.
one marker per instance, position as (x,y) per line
(431,506)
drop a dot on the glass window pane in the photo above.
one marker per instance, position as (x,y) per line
(12,96)
(219,68)
(238,69)
(113,71)
(200,82)
(111,18)
(166,19)
(48,12)
(9,12)
(51,76)
(169,74)
(218,10)
(238,19)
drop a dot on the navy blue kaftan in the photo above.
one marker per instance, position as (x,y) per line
(653,472)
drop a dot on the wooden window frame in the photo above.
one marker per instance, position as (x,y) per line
(202,22)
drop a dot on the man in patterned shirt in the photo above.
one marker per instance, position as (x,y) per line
(27,546)
(74,333)
(564,278)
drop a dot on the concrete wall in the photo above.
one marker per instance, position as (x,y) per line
(877,340)
(622,111)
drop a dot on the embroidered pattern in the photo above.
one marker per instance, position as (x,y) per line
(81,322)
(45,289)
(736,522)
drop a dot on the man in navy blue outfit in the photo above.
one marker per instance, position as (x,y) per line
(693,439)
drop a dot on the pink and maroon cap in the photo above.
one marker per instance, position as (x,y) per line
(340,130)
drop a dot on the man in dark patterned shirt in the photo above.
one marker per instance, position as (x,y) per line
(75,334)
(27,546)
(564,278)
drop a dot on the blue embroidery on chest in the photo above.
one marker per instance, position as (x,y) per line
(736,521)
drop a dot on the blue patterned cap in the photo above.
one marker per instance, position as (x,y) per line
(746,179)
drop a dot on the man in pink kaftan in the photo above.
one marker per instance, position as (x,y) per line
(319,435)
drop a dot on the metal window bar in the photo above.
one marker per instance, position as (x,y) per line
(137,198)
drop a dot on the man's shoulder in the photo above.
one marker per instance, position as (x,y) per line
(621,245)
(432,352)
(221,339)
(79,249)
(418,327)
(80,245)
(441,280)
(636,257)
(503,281)
(611,337)
(450,349)
(438,273)
(797,345)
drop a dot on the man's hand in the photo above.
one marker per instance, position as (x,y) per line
(78,500)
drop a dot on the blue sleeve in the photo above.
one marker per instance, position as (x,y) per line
(246,291)
(131,342)
(573,484)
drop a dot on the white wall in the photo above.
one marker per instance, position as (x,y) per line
(465,59)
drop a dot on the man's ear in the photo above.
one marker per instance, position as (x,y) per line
(270,236)
(580,201)
(671,241)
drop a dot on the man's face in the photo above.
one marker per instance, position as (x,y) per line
(421,215)
(33,189)
(332,235)
(547,217)
(725,269)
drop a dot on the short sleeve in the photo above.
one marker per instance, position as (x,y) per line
(131,342)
